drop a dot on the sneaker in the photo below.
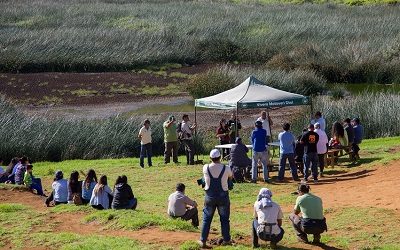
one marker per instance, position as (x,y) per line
(202,244)
(142,166)
(226,243)
(267,181)
(302,239)
(256,246)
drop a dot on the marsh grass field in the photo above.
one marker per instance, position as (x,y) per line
(350,211)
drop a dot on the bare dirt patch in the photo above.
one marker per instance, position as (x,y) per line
(55,89)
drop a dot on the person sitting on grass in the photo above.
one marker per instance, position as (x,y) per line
(59,195)
(19,170)
(3,174)
(267,224)
(31,182)
(101,194)
(123,195)
(10,170)
(181,206)
(74,189)
(313,220)
(88,186)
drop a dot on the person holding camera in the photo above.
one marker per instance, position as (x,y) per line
(187,138)
(312,220)
(216,177)
(170,140)
(181,206)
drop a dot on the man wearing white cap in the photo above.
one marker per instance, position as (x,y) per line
(216,177)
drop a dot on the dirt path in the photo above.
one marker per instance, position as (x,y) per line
(359,188)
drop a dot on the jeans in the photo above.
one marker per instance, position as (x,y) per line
(273,238)
(311,158)
(221,203)
(171,148)
(146,150)
(189,150)
(292,164)
(132,204)
(192,214)
(300,226)
(262,156)
(321,162)
(37,185)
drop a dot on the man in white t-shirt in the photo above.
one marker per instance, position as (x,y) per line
(216,177)
(181,206)
(266,123)
(267,224)
(187,138)
(321,147)
(319,119)
(145,143)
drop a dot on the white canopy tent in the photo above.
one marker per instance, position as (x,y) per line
(252,93)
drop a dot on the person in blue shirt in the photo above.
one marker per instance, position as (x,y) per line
(88,186)
(258,139)
(287,142)
(358,135)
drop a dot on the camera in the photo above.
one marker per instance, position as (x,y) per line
(201,182)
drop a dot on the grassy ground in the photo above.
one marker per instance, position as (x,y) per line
(152,187)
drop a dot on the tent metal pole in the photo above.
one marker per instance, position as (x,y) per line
(311,108)
(236,121)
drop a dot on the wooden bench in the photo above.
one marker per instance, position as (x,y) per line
(332,156)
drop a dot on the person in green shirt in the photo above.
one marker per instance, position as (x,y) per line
(31,182)
(170,140)
(312,220)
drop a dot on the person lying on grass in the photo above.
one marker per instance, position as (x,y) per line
(59,195)
(123,195)
(181,206)
(102,194)
(31,182)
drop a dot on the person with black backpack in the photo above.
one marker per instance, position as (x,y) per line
(185,135)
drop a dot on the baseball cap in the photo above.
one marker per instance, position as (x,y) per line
(215,153)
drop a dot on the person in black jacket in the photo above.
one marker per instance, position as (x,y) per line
(123,195)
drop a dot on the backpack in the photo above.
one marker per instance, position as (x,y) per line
(237,174)
(180,132)
(76,198)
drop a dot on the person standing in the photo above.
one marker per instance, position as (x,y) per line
(145,143)
(187,138)
(358,135)
(233,125)
(310,140)
(171,140)
(181,206)
(266,123)
(319,119)
(216,177)
(267,223)
(321,147)
(312,220)
(258,139)
(287,142)
(223,136)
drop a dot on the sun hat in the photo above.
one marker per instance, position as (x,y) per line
(215,153)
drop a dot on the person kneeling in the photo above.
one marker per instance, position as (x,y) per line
(181,206)
(267,224)
(123,195)
(313,220)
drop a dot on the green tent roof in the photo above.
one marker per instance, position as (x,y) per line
(252,93)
